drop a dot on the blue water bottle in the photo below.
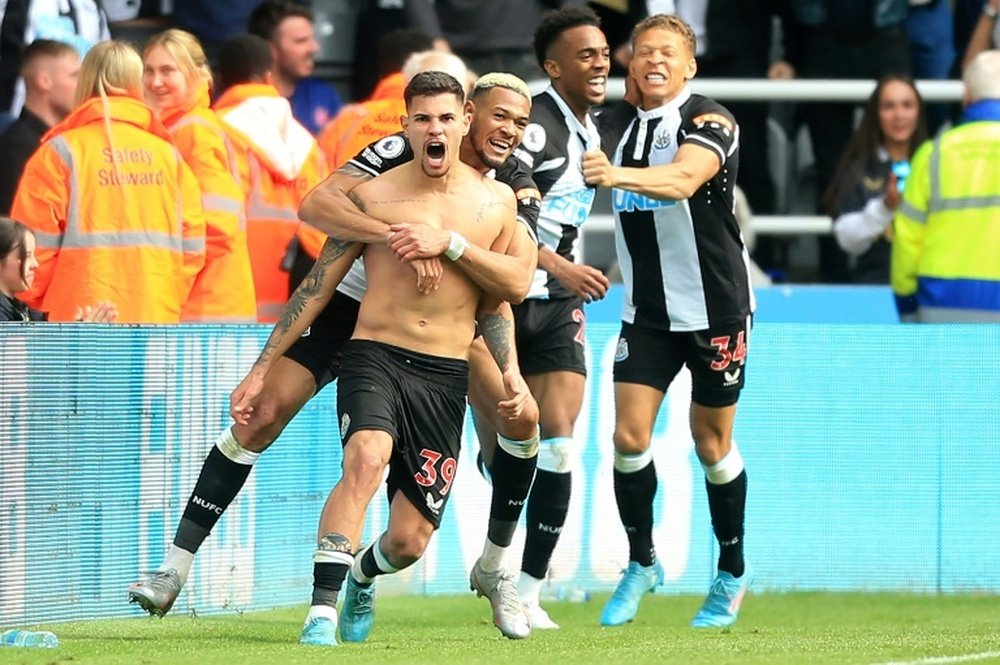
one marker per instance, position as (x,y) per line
(28,638)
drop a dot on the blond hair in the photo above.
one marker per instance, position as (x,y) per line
(187,53)
(487,82)
(667,22)
(110,67)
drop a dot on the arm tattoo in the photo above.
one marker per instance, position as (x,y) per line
(486,205)
(306,292)
(497,331)
(352,171)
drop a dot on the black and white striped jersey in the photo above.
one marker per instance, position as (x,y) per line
(393,150)
(552,149)
(684,263)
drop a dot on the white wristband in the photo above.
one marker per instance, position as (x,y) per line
(456,247)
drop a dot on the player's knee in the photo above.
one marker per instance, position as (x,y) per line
(405,546)
(631,440)
(524,427)
(711,444)
(270,415)
(364,459)
(557,455)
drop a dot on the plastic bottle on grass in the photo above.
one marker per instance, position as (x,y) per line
(28,638)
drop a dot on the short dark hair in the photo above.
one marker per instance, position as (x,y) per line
(557,21)
(397,46)
(43,48)
(268,15)
(244,59)
(12,234)
(429,84)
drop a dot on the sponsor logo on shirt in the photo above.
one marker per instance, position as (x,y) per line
(626,201)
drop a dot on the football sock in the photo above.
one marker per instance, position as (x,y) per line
(635,488)
(371,563)
(726,483)
(222,476)
(512,471)
(548,505)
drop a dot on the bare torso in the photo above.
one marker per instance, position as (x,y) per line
(393,311)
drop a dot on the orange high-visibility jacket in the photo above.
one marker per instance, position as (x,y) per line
(278,161)
(223,291)
(115,217)
(358,125)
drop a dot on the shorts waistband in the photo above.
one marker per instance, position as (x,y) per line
(453,372)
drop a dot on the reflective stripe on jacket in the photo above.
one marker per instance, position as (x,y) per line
(115,217)
(223,291)
(278,161)
(946,239)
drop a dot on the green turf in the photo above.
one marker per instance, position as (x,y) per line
(774,628)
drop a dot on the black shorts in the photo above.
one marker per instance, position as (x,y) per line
(549,336)
(420,401)
(716,358)
(318,350)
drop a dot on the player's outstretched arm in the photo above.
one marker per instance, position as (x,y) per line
(692,167)
(330,208)
(496,323)
(308,300)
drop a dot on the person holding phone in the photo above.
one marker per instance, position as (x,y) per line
(867,186)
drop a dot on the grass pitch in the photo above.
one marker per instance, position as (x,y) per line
(774,628)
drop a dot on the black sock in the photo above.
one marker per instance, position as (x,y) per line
(727,504)
(512,477)
(328,578)
(547,508)
(220,480)
(634,494)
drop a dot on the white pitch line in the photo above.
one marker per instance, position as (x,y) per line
(940,660)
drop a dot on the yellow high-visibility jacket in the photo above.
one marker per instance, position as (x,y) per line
(946,237)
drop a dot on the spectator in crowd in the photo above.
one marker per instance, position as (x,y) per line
(846,39)
(177,81)
(871,176)
(287,27)
(49,70)
(79,23)
(946,234)
(489,37)
(17,272)
(213,23)
(985,34)
(932,49)
(115,209)
(376,18)
(357,125)
(278,161)
(734,41)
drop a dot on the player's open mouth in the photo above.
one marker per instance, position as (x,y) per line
(598,84)
(656,77)
(435,152)
(500,146)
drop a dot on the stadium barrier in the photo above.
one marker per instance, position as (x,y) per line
(869,449)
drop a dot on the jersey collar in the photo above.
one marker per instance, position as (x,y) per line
(668,108)
(588,133)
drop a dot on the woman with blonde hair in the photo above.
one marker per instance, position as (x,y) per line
(114,209)
(177,81)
